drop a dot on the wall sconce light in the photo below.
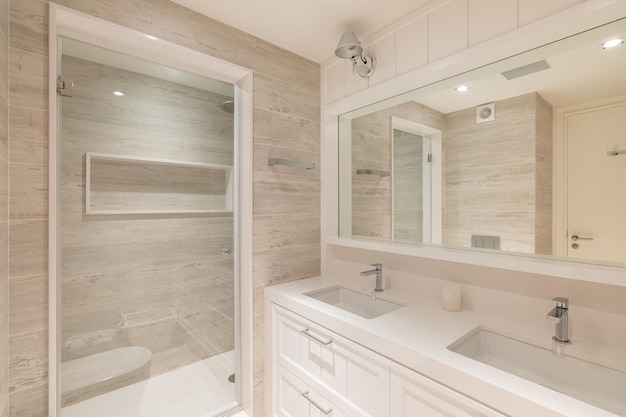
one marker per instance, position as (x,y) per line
(349,47)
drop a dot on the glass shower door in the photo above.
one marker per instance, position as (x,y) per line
(147,300)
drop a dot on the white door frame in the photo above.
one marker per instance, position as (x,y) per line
(70,23)
(432,174)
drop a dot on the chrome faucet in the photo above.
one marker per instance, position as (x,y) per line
(379,275)
(559,316)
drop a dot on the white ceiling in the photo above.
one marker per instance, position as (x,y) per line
(309,28)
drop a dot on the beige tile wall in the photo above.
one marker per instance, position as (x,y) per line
(286,200)
(490,173)
(169,288)
(4,209)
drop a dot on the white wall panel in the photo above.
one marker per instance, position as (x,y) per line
(412,46)
(384,51)
(447,30)
(490,18)
(335,76)
(533,10)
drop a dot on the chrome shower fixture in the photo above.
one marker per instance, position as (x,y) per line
(228,106)
(349,47)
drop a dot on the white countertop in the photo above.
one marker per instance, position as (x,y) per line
(417,336)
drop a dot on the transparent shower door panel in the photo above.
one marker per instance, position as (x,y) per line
(147,229)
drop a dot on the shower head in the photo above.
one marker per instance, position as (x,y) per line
(228,106)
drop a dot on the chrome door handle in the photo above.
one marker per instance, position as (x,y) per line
(576,237)
(319,407)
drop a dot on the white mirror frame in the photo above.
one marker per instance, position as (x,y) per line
(70,23)
(573,21)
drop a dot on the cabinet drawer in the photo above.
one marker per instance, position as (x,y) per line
(415,395)
(293,398)
(351,371)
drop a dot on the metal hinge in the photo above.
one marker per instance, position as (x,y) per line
(430,157)
(65,86)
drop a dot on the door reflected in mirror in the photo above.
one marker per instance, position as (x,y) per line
(488,168)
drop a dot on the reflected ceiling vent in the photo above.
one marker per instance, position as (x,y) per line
(526,70)
(228,106)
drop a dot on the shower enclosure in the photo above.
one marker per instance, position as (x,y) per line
(146,250)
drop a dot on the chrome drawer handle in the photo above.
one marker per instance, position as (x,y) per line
(576,237)
(319,407)
(317,339)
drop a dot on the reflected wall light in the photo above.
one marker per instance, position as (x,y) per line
(349,47)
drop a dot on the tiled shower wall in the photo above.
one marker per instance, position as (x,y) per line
(286,200)
(154,280)
(4,209)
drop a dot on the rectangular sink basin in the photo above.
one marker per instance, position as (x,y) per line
(589,382)
(364,305)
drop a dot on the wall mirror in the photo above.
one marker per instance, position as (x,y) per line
(530,158)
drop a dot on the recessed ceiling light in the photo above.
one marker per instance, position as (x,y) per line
(612,43)
(118,93)
(462,89)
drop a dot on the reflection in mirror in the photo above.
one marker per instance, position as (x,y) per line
(475,169)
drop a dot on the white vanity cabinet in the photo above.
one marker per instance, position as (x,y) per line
(316,372)
(294,398)
(342,368)
(415,395)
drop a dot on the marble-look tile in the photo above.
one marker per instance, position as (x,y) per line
(28,129)
(168,360)
(278,266)
(271,197)
(4,251)
(4,64)
(286,115)
(28,305)
(279,96)
(284,65)
(4,129)
(28,360)
(29,402)
(28,73)
(28,248)
(4,18)
(28,25)
(4,190)
(284,231)
(4,345)
(28,191)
